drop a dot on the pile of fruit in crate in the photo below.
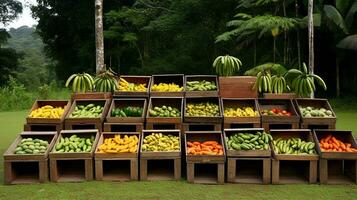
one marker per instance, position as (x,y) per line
(31,146)
(164,111)
(74,144)
(200,85)
(47,111)
(118,144)
(330,143)
(211,148)
(293,146)
(129,111)
(240,112)
(249,141)
(166,87)
(207,109)
(276,112)
(89,111)
(310,111)
(161,142)
(125,86)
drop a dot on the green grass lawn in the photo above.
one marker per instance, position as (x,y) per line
(11,123)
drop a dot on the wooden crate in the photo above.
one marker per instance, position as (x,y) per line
(316,122)
(197,161)
(237,87)
(161,159)
(87,123)
(164,122)
(337,167)
(214,93)
(91,95)
(287,169)
(27,168)
(135,79)
(201,127)
(73,167)
(54,103)
(278,122)
(123,127)
(124,102)
(198,119)
(178,79)
(279,96)
(43,127)
(240,122)
(116,172)
(249,170)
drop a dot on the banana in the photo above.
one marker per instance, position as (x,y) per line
(70,79)
(75,84)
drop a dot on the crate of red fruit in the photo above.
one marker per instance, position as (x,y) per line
(315,111)
(335,144)
(278,110)
(201,86)
(135,86)
(167,85)
(204,146)
(48,112)
(127,110)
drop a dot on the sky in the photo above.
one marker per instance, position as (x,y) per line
(25,18)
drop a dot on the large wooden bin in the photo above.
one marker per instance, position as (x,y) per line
(201,119)
(27,168)
(76,166)
(138,80)
(213,93)
(177,79)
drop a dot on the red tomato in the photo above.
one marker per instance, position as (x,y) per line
(274,110)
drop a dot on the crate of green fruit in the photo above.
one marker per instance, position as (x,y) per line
(278,110)
(88,111)
(127,110)
(203,110)
(250,142)
(315,112)
(238,111)
(165,110)
(201,86)
(167,85)
(133,86)
(29,149)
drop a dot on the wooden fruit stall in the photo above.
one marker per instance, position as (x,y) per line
(114,165)
(125,124)
(207,169)
(77,123)
(250,121)
(177,79)
(316,122)
(288,168)
(72,166)
(164,122)
(160,165)
(134,80)
(337,167)
(286,119)
(28,168)
(47,124)
(200,92)
(248,166)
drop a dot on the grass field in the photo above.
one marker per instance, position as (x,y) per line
(11,123)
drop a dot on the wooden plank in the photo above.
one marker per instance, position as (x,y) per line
(313,172)
(135,79)
(201,127)
(178,79)
(163,126)
(123,127)
(124,102)
(214,93)
(55,103)
(43,127)
(237,87)
(323,176)
(91,95)
(275,171)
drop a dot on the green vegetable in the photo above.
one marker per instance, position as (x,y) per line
(31,146)
(88,111)
(74,144)
(129,111)
(200,85)
(164,111)
(249,141)
(293,146)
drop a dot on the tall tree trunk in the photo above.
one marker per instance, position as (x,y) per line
(285,37)
(99,41)
(298,35)
(338,89)
(311,38)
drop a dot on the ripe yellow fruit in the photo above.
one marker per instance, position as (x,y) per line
(166,87)
(131,87)
(240,112)
(118,144)
(47,112)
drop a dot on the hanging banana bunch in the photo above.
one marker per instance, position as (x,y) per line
(278,84)
(226,65)
(263,82)
(106,81)
(304,82)
(80,82)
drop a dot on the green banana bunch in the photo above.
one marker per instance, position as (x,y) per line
(226,65)
(304,83)
(293,146)
(106,81)
(81,82)
(263,82)
(278,84)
